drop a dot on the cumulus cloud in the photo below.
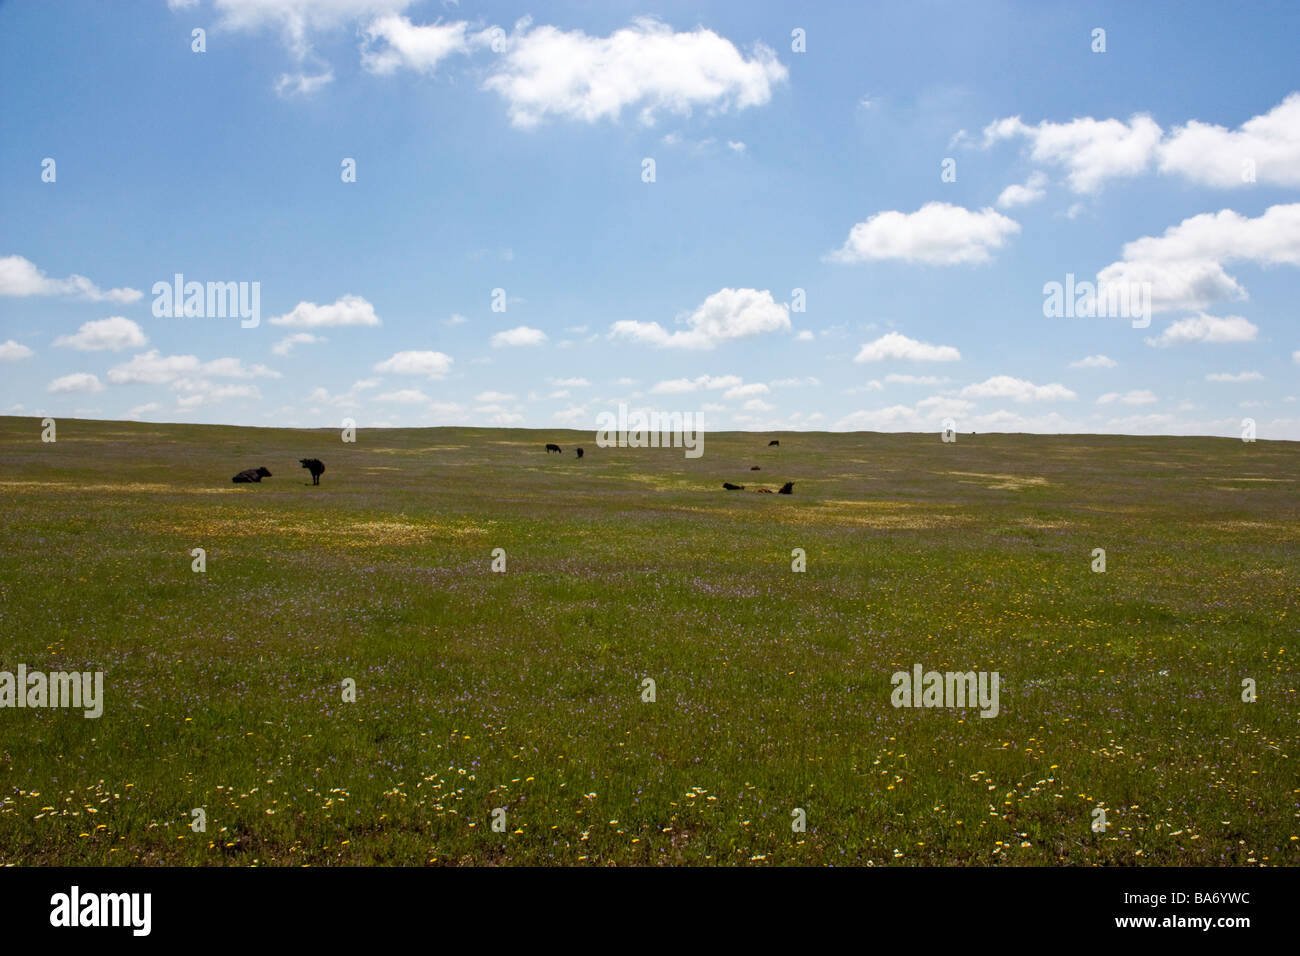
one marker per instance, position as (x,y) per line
(404,396)
(76,382)
(1185,266)
(895,345)
(1091,151)
(154,368)
(1215,156)
(394,41)
(286,344)
(111,334)
(1018,389)
(11,351)
(20,277)
(1023,195)
(546,72)
(678,386)
(1094,361)
(725,316)
(298,20)
(938,233)
(433,365)
(349,310)
(1135,397)
(1206,329)
(520,335)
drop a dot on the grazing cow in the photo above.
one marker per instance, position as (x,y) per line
(754,468)
(774,442)
(550,448)
(315,466)
(787,488)
(730,487)
(251,475)
(579,452)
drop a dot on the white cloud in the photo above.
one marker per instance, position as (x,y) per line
(434,365)
(11,351)
(286,344)
(1019,389)
(757,405)
(76,382)
(1208,329)
(1030,192)
(520,335)
(804,336)
(113,333)
(1091,151)
(1135,397)
(153,368)
(404,396)
(735,146)
(1185,265)
(894,377)
(725,316)
(678,386)
(302,84)
(494,397)
(139,410)
(297,20)
(746,391)
(234,368)
(455,319)
(1215,156)
(1239,377)
(1094,361)
(348,310)
(875,385)
(895,345)
(938,233)
(546,72)
(572,416)
(571,382)
(394,41)
(20,277)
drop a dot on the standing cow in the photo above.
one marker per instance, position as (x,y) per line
(315,466)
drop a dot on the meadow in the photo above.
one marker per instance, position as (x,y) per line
(523,690)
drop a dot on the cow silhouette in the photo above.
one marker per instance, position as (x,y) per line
(579,452)
(315,466)
(730,487)
(774,442)
(786,489)
(251,475)
(550,448)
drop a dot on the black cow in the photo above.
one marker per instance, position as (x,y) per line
(579,452)
(786,489)
(315,466)
(774,442)
(550,448)
(755,468)
(251,475)
(730,487)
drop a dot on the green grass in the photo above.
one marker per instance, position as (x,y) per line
(522,690)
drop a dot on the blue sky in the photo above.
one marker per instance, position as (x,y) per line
(502,146)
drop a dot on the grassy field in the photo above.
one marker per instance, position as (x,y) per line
(523,690)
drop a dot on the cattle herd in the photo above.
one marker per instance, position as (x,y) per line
(251,475)
(317,467)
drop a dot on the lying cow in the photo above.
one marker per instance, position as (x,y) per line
(550,448)
(251,475)
(730,487)
(315,466)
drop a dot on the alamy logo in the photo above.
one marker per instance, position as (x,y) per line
(214,300)
(1084,300)
(652,429)
(103,909)
(954,689)
(84,690)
